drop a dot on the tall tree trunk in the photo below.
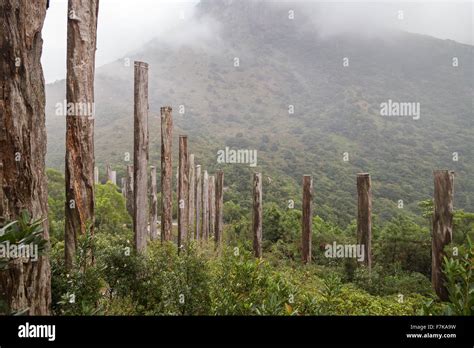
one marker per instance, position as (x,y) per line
(307,218)
(442,227)
(166,174)
(219,208)
(154,205)
(191,196)
(364,216)
(81,47)
(257,215)
(140,156)
(205,206)
(183,190)
(198,201)
(212,205)
(26,284)
(96,175)
(129,190)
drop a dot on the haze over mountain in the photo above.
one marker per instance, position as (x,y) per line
(335,84)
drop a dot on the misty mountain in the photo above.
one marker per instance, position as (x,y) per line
(237,80)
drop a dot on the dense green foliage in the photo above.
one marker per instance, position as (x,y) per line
(200,281)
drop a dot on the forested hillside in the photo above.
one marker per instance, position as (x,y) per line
(285,64)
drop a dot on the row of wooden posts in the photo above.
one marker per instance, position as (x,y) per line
(200,196)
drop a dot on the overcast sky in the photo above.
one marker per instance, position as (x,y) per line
(125,25)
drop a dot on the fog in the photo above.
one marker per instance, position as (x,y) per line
(125,26)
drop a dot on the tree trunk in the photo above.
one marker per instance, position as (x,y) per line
(191,197)
(183,190)
(129,190)
(26,284)
(307,218)
(219,208)
(108,173)
(364,216)
(442,227)
(154,205)
(205,206)
(198,201)
(166,174)
(79,171)
(257,215)
(140,157)
(212,205)
(123,188)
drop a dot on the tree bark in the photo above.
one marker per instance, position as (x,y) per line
(166,174)
(198,201)
(129,190)
(79,169)
(154,205)
(307,218)
(26,284)
(257,215)
(113,177)
(191,197)
(364,216)
(183,190)
(140,157)
(205,206)
(108,172)
(219,208)
(212,205)
(442,227)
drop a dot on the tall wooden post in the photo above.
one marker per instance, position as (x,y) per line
(307,218)
(442,227)
(123,188)
(219,208)
(191,197)
(108,173)
(205,206)
(198,201)
(154,205)
(140,157)
(212,205)
(183,190)
(364,216)
(113,177)
(166,174)
(79,168)
(129,189)
(96,175)
(25,284)
(257,215)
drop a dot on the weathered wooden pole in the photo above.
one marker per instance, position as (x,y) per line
(364,216)
(442,227)
(140,157)
(257,215)
(23,185)
(198,202)
(183,191)
(108,173)
(307,218)
(191,197)
(212,205)
(113,177)
(79,168)
(166,174)
(219,208)
(96,175)
(205,206)
(129,189)
(153,205)
(123,188)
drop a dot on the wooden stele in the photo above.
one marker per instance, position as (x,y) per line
(442,227)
